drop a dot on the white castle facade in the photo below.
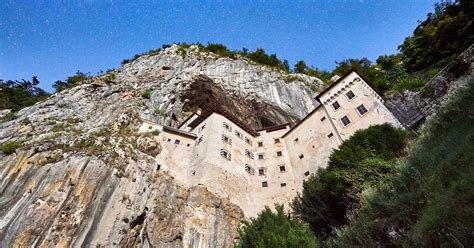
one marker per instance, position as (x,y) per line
(259,168)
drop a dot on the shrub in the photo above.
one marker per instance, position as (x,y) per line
(363,161)
(70,81)
(429,203)
(146,94)
(10,147)
(275,229)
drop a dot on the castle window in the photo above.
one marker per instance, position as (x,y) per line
(260,144)
(301,156)
(177,142)
(261,172)
(169,140)
(282,185)
(345,120)
(248,141)
(324,118)
(306,173)
(248,153)
(150,127)
(225,154)
(296,140)
(350,95)
(260,156)
(361,109)
(264,184)
(282,168)
(238,134)
(226,126)
(249,169)
(330,135)
(279,154)
(226,139)
(202,128)
(336,105)
(277,141)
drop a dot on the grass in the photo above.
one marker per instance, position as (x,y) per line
(146,94)
(162,112)
(9,117)
(10,147)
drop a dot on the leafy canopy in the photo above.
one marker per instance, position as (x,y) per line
(16,95)
(70,81)
(275,229)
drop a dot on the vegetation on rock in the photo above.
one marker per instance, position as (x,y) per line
(10,147)
(70,81)
(16,95)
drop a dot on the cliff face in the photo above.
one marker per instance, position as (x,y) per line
(412,107)
(83,176)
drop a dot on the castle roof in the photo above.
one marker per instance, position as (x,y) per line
(217,109)
(342,78)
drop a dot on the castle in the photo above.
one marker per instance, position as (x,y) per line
(258,168)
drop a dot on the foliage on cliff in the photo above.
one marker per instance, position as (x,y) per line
(258,56)
(435,43)
(16,95)
(447,31)
(275,229)
(429,203)
(363,161)
(70,81)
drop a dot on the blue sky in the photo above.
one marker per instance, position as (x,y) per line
(52,39)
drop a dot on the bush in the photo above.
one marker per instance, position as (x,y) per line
(429,203)
(10,147)
(271,229)
(363,161)
(146,94)
(16,95)
(70,81)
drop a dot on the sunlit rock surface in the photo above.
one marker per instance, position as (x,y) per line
(83,176)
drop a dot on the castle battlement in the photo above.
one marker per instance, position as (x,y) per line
(255,168)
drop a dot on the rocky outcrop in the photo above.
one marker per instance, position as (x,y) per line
(412,107)
(84,176)
(193,79)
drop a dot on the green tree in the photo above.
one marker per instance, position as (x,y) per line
(300,67)
(16,95)
(446,32)
(363,161)
(275,229)
(70,81)
(429,203)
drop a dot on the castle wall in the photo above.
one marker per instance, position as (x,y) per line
(278,172)
(310,144)
(175,156)
(258,171)
(364,95)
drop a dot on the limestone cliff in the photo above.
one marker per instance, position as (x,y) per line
(83,176)
(411,107)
